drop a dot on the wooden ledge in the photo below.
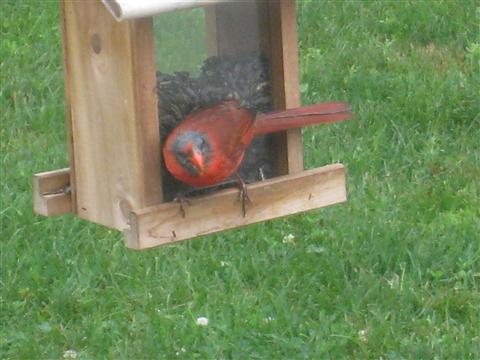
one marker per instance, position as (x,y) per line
(51,193)
(285,195)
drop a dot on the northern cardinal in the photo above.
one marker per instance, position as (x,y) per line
(207,147)
(221,78)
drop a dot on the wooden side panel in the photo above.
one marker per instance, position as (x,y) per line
(110,86)
(52,193)
(285,80)
(273,198)
(68,112)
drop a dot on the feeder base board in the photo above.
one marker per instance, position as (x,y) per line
(281,196)
(163,224)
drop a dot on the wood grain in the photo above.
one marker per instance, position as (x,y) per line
(51,193)
(112,108)
(284,195)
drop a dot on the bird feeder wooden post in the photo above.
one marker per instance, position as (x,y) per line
(114,178)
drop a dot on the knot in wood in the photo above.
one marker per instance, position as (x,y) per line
(96,43)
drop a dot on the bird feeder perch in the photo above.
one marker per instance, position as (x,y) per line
(114,178)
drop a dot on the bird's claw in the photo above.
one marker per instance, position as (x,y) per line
(182,200)
(243,195)
(244,198)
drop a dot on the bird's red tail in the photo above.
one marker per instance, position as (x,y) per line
(302,116)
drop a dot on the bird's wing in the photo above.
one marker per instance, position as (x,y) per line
(229,125)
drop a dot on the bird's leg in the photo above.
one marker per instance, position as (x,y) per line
(261,175)
(243,195)
(182,199)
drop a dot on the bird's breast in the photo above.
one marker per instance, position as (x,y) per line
(219,169)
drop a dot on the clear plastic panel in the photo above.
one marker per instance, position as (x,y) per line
(180,40)
(208,55)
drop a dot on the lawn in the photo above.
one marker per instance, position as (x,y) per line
(394,273)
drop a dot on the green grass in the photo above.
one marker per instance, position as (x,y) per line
(180,40)
(394,273)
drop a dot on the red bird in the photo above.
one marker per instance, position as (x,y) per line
(207,147)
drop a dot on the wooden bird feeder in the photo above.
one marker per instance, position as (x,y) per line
(114,178)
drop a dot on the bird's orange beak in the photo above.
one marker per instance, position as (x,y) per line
(198,161)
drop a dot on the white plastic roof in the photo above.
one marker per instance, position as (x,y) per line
(131,9)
